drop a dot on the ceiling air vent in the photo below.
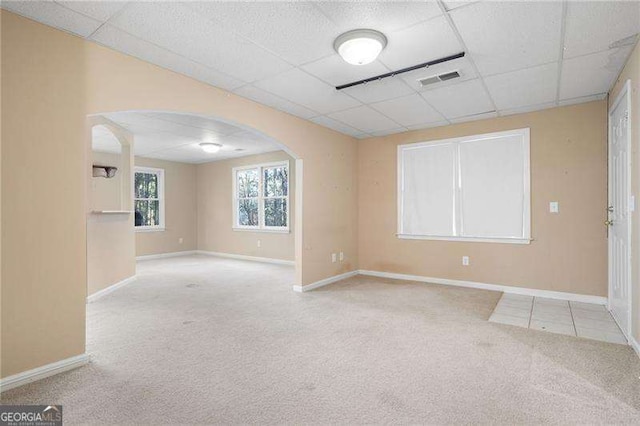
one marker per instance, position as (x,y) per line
(439,78)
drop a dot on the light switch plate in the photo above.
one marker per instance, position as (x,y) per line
(554,207)
(341,256)
(465,260)
(333,258)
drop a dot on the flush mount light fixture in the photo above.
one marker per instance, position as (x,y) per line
(360,47)
(210,147)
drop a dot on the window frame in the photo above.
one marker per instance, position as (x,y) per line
(161,200)
(526,219)
(261,227)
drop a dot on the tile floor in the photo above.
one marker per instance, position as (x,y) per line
(558,316)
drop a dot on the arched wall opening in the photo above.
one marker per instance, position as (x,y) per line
(175,137)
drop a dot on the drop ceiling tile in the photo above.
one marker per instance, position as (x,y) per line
(383,16)
(365,119)
(335,71)
(408,110)
(474,117)
(55,15)
(458,100)
(594,26)
(454,4)
(249,142)
(177,121)
(121,41)
(507,36)
(428,125)
(296,31)
(583,99)
(530,86)
(297,86)
(266,98)
(100,10)
(153,142)
(337,126)
(389,132)
(379,90)
(420,43)
(182,30)
(461,65)
(591,74)
(529,108)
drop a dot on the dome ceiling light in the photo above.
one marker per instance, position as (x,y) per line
(210,147)
(360,47)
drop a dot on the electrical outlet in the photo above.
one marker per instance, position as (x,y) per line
(180,240)
(259,243)
(333,258)
(341,256)
(465,260)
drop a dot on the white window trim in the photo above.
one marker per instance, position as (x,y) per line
(160,173)
(526,220)
(261,227)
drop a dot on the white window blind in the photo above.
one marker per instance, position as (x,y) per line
(474,188)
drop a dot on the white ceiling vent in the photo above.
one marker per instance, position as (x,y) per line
(438,78)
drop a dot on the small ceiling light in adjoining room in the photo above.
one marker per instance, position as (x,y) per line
(210,147)
(360,47)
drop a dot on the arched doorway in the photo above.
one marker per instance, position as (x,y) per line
(176,137)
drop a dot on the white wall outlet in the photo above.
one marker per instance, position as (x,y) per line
(333,258)
(341,256)
(259,244)
(180,240)
(554,207)
(465,260)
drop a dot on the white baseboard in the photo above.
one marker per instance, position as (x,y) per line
(251,258)
(165,255)
(326,281)
(42,372)
(97,295)
(494,287)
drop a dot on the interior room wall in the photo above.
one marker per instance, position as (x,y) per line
(180,210)
(631,72)
(110,255)
(568,164)
(51,81)
(106,193)
(215,211)
(44,278)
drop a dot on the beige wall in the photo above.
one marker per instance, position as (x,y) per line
(631,72)
(43,164)
(51,81)
(215,212)
(568,165)
(180,210)
(106,193)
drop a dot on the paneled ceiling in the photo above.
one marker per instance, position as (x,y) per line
(176,137)
(521,56)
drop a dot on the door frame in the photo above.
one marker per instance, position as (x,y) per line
(625,91)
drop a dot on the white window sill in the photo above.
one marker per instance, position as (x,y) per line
(466,239)
(263,230)
(150,229)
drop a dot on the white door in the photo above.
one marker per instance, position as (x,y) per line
(619,211)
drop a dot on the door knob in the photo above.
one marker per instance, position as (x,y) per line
(608,222)
(610,208)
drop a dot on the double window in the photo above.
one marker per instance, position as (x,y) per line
(149,198)
(261,197)
(473,188)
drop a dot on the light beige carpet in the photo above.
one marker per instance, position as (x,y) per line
(207,340)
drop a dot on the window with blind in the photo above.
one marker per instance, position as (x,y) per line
(474,188)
